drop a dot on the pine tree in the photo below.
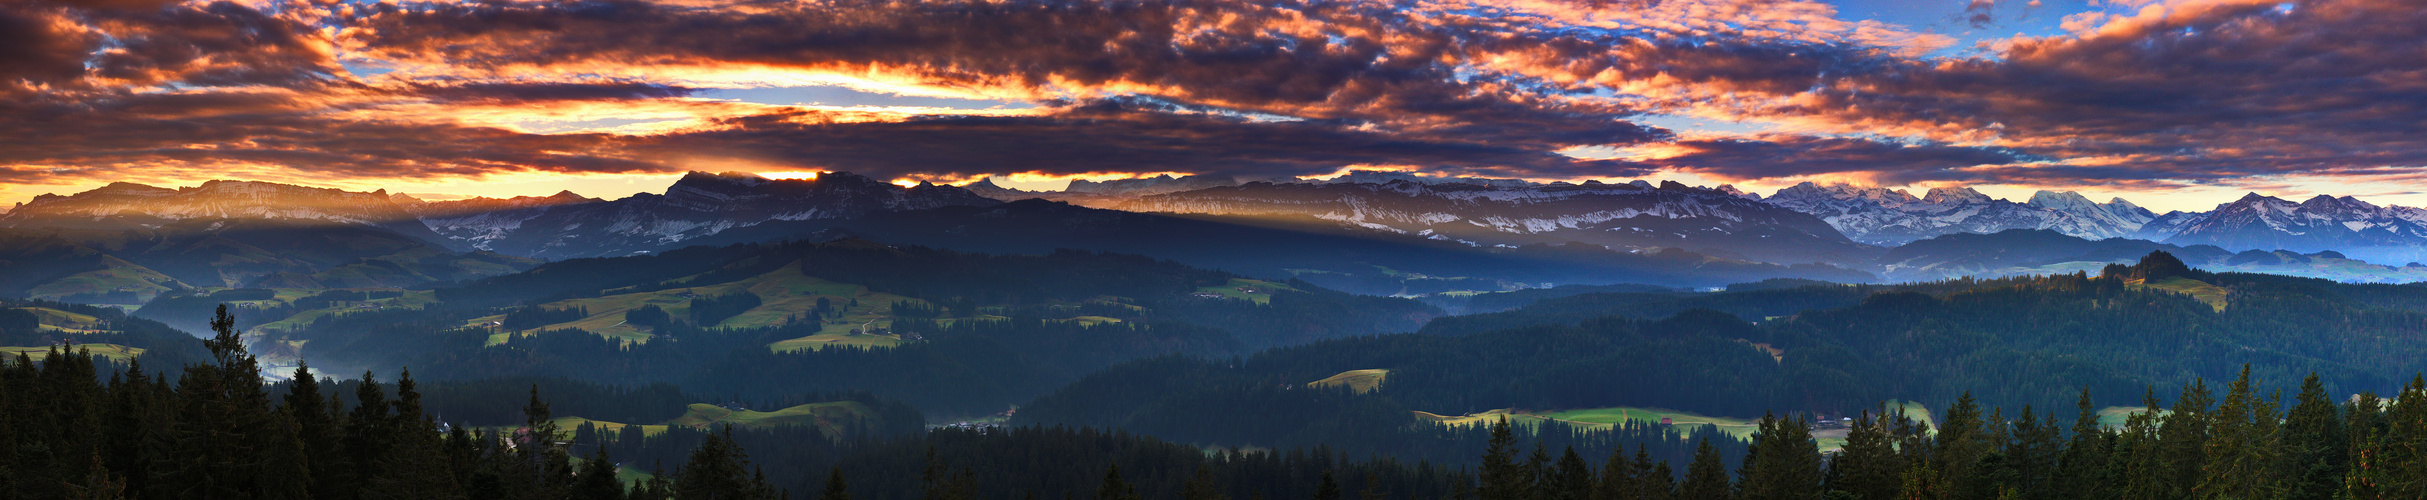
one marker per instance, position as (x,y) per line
(1114,488)
(1661,484)
(2365,421)
(230,443)
(320,434)
(2314,445)
(1963,441)
(1867,466)
(719,470)
(1503,478)
(1372,489)
(2084,462)
(1707,477)
(1784,464)
(415,465)
(1328,488)
(2137,458)
(2029,463)
(835,489)
(1570,478)
(2183,440)
(597,479)
(2404,447)
(2241,450)
(1201,486)
(368,430)
(1538,481)
(1618,478)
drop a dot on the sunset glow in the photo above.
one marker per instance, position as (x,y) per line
(504,98)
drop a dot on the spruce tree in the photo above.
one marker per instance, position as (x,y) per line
(368,431)
(1618,477)
(835,488)
(1114,488)
(2083,466)
(2029,463)
(1538,480)
(2405,442)
(2138,457)
(1867,466)
(1963,440)
(1707,477)
(2314,445)
(320,433)
(719,470)
(597,479)
(1784,464)
(2183,441)
(1201,486)
(2241,450)
(1503,478)
(230,442)
(2365,421)
(1661,484)
(1328,488)
(1570,478)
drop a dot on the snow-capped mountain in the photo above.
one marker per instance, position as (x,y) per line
(1894,217)
(2382,234)
(479,222)
(1621,216)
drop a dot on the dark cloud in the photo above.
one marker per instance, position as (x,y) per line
(40,53)
(1350,61)
(94,87)
(1103,137)
(1891,163)
(2312,87)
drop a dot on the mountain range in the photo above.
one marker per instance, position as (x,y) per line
(1368,232)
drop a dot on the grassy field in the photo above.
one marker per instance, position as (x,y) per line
(568,424)
(67,322)
(1827,439)
(2113,417)
(1238,288)
(1361,381)
(145,282)
(830,417)
(2211,294)
(783,293)
(305,318)
(1740,428)
(115,352)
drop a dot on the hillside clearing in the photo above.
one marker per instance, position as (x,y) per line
(1360,381)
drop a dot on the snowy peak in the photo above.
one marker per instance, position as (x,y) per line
(2357,228)
(2067,201)
(1940,196)
(1882,216)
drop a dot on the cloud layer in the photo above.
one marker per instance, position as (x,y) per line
(2177,93)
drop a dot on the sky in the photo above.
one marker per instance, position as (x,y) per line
(2174,104)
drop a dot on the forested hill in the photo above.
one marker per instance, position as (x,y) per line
(2156,326)
(954,333)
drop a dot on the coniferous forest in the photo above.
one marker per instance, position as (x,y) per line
(2300,389)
